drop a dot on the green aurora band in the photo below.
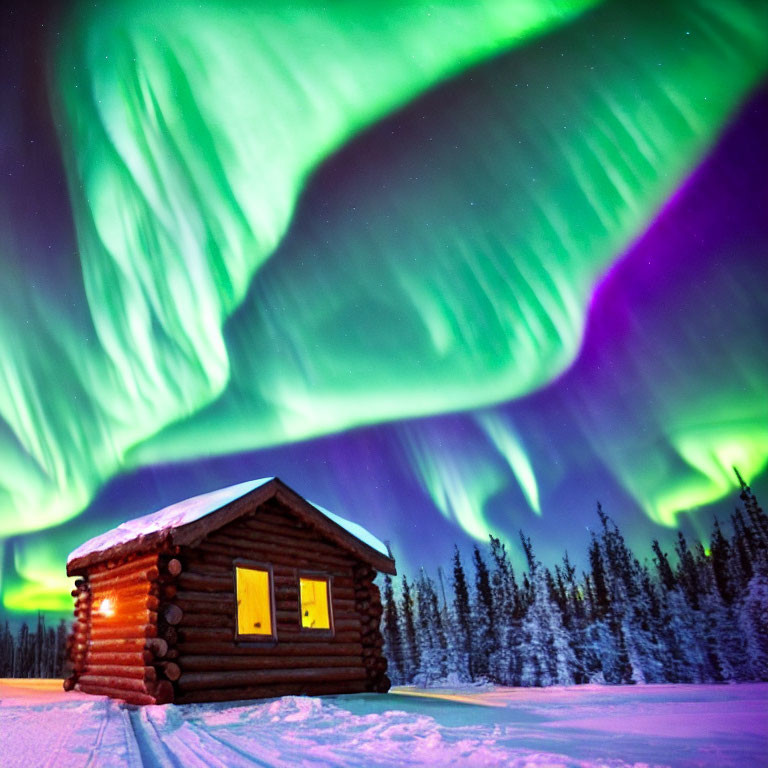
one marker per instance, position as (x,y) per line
(223,317)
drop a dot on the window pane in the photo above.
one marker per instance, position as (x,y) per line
(314,604)
(254,610)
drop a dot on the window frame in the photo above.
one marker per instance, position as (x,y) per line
(253,565)
(329,631)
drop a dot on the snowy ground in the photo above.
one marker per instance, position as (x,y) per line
(589,726)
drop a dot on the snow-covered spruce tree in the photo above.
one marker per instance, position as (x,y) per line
(649,642)
(605,640)
(548,658)
(461,636)
(506,663)
(685,659)
(725,648)
(691,576)
(430,633)
(484,613)
(411,656)
(393,642)
(628,609)
(571,604)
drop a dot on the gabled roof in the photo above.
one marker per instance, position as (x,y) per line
(188,522)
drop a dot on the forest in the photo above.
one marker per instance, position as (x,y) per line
(701,616)
(41,653)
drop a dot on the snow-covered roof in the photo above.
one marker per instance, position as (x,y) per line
(188,511)
(355,529)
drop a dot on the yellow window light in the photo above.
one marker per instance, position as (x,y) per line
(315,613)
(254,606)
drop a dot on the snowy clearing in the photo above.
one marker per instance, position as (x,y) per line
(584,727)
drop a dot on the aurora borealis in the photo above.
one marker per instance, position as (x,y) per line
(447,269)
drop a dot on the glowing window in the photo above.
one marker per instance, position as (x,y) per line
(315,612)
(254,603)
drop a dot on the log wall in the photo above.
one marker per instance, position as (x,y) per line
(215,665)
(114,649)
(172,636)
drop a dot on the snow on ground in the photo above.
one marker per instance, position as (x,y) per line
(656,725)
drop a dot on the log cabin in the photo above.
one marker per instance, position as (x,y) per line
(246,592)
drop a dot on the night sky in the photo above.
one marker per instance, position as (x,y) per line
(446,269)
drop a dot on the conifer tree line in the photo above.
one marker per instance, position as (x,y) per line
(33,654)
(701,616)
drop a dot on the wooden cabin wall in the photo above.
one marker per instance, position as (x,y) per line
(115,650)
(215,666)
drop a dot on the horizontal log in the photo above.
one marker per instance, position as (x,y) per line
(118,645)
(195,681)
(185,597)
(212,663)
(173,566)
(197,582)
(124,631)
(131,697)
(141,576)
(170,635)
(123,619)
(345,622)
(136,563)
(205,620)
(117,683)
(134,602)
(300,635)
(272,691)
(120,671)
(135,659)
